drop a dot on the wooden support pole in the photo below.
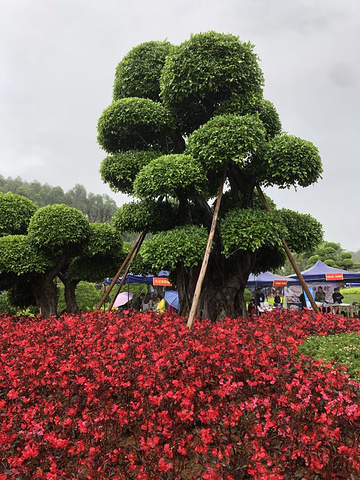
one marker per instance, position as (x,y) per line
(135,252)
(205,262)
(114,280)
(291,258)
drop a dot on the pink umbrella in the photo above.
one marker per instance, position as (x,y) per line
(122,298)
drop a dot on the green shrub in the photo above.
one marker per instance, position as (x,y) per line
(86,295)
(5,304)
(351,291)
(247,295)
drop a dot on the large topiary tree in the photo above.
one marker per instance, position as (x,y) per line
(171,149)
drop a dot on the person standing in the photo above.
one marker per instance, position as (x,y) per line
(137,303)
(277,300)
(147,302)
(302,300)
(252,310)
(259,297)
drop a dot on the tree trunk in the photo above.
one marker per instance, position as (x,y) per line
(186,284)
(45,293)
(223,289)
(70,297)
(45,290)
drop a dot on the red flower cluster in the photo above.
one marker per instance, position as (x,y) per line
(140,396)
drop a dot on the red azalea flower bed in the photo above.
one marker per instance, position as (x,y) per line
(141,397)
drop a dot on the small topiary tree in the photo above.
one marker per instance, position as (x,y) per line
(171,150)
(56,233)
(100,258)
(333,255)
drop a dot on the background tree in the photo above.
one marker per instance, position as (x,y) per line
(171,149)
(96,208)
(330,253)
(334,255)
(356,257)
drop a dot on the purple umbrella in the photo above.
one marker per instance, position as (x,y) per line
(122,298)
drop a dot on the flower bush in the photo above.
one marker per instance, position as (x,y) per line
(140,396)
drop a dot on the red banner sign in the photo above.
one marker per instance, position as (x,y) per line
(279,283)
(334,276)
(161,282)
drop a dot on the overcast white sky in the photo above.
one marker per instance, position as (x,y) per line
(57,64)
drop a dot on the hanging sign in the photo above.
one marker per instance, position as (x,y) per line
(334,276)
(161,282)
(279,283)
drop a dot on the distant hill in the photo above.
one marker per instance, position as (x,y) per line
(97,208)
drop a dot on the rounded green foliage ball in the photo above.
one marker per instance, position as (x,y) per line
(104,239)
(181,245)
(253,105)
(304,233)
(225,138)
(169,175)
(134,124)
(57,227)
(18,256)
(270,118)
(15,213)
(146,216)
(206,71)
(248,229)
(292,161)
(138,74)
(119,170)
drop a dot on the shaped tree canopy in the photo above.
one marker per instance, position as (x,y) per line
(171,149)
(15,213)
(56,234)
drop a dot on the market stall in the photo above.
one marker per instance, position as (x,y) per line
(321,275)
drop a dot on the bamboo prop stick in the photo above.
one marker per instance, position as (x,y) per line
(114,280)
(291,258)
(205,262)
(136,251)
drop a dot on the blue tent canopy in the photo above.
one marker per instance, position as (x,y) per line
(147,279)
(266,279)
(318,272)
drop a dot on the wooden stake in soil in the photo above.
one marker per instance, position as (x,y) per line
(136,251)
(291,258)
(206,256)
(114,280)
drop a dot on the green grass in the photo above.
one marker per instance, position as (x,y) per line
(351,294)
(342,349)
